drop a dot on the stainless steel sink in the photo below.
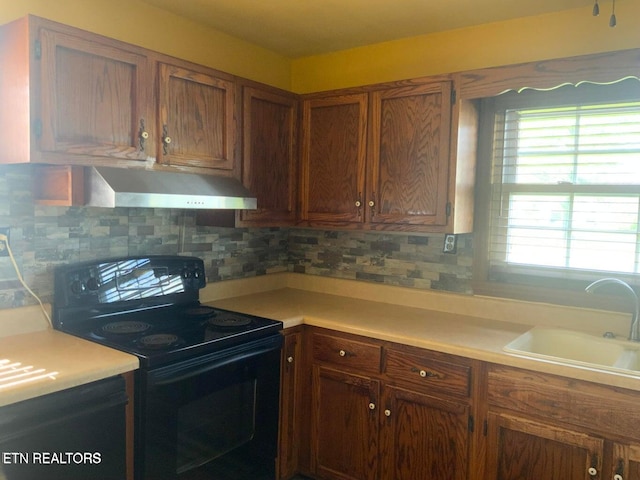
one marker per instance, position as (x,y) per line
(577,348)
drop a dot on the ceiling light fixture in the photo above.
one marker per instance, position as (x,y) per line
(612,20)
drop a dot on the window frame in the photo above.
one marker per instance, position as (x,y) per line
(531,283)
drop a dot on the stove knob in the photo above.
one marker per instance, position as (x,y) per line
(77,287)
(92,284)
(186,273)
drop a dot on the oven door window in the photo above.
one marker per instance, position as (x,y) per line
(216,424)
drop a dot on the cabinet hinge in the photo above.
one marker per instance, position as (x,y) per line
(37,50)
(454,96)
(448,209)
(471,423)
(37,128)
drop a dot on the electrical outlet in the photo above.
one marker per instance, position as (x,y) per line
(3,246)
(449,244)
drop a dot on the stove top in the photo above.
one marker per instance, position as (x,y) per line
(149,307)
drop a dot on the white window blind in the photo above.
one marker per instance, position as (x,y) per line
(565,185)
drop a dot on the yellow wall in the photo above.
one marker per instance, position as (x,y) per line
(565,34)
(141,24)
(573,32)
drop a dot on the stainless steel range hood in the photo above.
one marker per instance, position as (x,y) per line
(122,187)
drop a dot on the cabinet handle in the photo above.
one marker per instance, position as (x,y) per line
(290,359)
(424,373)
(372,406)
(166,140)
(387,413)
(143,135)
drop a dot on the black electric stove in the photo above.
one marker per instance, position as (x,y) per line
(149,306)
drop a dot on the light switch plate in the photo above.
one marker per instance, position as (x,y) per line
(449,243)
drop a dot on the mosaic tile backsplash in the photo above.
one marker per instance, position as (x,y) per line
(42,237)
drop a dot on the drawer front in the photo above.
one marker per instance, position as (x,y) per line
(346,352)
(427,374)
(595,407)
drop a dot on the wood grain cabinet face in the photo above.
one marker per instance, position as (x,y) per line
(269,156)
(409,155)
(546,426)
(333,159)
(375,422)
(94,98)
(196,118)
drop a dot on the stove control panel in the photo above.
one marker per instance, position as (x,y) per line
(130,278)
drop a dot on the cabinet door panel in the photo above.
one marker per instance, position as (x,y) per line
(410,154)
(344,438)
(520,449)
(423,437)
(197,115)
(269,156)
(95,98)
(333,158)
(626,462)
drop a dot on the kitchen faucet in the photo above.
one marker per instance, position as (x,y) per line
(634,331)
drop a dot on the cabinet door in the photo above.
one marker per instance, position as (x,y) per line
(269,157)
(423,437)
(626,462)
(344,430)
(520,449)
(333,159)
(95,99)
(409,154)
(197,119)
(289,408)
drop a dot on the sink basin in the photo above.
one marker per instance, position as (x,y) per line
(577,348)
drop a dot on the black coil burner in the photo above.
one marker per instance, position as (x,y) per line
(229,321)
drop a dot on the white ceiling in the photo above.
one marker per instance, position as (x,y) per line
(297,28)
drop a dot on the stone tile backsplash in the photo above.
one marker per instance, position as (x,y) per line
(42,237)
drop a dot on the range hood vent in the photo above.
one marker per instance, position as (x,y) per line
(122,187)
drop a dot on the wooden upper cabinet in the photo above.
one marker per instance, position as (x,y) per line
(409,155)
(333,159)
(196,121)
(397,156)
(77,96)
(269,156)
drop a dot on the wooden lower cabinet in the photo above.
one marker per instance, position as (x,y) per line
(526,450)
(423,437)
(365,426)
(548,427)
(345,425)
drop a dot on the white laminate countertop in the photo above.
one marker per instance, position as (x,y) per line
(58,360)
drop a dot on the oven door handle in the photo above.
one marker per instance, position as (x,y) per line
(177,373)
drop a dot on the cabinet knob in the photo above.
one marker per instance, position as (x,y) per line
(358,203)
(372,203)
(387,413)
(167,140)
(144,135)
(290,359)
(342,353)
(372,406)
(617,476)
(592,471)
(423,373)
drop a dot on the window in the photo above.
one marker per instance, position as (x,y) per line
(562,185)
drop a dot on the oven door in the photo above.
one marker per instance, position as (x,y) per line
(216,411)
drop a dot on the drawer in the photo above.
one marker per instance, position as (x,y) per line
(347,352)
(595,407)
(427,373)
